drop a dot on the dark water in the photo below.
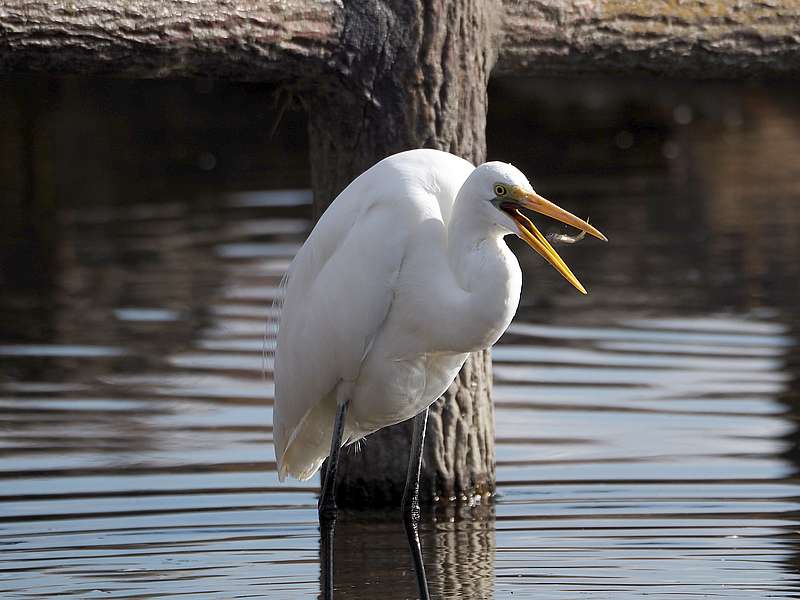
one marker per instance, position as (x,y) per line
(647,433)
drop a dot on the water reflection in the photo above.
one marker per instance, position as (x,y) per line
(647,433)
(458,547)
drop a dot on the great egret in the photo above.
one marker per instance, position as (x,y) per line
(404,275)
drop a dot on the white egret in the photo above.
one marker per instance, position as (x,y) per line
(404,275)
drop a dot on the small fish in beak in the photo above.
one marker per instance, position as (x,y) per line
(564,238)
(533,237)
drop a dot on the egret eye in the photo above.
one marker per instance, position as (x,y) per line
(500,190)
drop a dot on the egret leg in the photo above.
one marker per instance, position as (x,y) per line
(327,497)
(327,502)
(411,511)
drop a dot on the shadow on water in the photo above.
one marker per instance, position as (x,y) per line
(647,433)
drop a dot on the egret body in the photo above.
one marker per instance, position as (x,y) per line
(403,276)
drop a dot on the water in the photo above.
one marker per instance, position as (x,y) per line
(646,434)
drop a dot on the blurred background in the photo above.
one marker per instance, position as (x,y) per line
(647,433)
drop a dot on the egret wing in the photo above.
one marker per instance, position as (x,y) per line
(339,291)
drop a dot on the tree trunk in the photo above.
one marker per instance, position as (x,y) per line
(678,38)
(296,39)
(411,75)
(220,39)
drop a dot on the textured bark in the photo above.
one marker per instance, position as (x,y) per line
(241,39)
(291,39)
(410,75)
(694,38)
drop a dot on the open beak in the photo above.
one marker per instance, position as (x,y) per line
(534,238)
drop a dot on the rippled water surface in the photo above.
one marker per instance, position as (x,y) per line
(647,434)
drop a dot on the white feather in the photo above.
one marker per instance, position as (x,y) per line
(391,291)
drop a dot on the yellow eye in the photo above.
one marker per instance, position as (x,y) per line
(500,190)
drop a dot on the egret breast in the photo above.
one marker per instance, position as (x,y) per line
(390,390)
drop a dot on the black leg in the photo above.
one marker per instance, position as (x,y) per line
(327,497)
(327,503)
(411,501)
(326,551)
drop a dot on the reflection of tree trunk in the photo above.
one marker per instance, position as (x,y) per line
(459,555)
(463,566)
(28,232)
(419,80)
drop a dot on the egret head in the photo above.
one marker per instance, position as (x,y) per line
(508,191)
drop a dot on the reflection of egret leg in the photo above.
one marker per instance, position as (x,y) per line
(326,558)
(411,501)
(327,503)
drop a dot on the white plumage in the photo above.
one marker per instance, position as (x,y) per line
(402,277)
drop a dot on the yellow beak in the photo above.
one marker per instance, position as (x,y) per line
(534,238)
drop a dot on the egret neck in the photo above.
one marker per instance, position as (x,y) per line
(487,275)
